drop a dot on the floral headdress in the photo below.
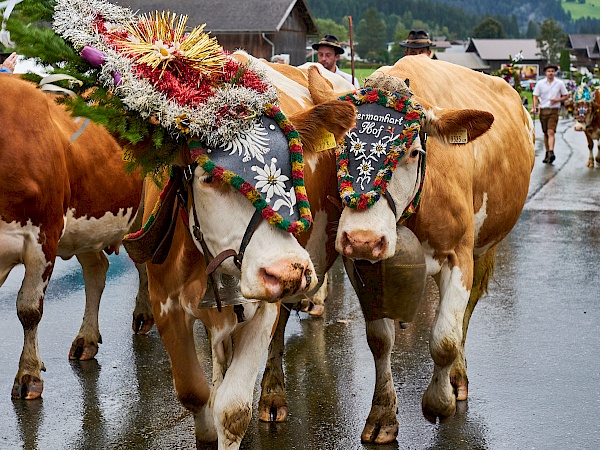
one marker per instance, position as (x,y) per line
(387,124)
(205,99)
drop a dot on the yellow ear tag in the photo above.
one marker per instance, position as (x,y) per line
(326,142)
(127,155)
(459,137)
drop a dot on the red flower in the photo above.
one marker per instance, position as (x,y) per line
(372,96)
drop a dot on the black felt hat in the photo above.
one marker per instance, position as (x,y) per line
(551,66)
(329,41)
(417,39)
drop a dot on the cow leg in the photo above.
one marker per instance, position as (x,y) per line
(597,154)
(446,338)
(233,400)
(143,319)
(94,266)
(273,404)
(382,424)
(176,330)
(30,306)
(590,142)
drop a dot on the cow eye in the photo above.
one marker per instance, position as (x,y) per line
(414,153)
(208,179)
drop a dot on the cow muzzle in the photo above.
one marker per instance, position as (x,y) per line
(363,244)
(286,278)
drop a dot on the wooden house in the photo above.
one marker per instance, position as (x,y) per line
(262,28)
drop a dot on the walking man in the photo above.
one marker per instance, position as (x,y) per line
(548,95)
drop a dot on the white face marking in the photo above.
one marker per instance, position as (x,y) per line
(92,235)
(480,216)
(224,215)
(379,218)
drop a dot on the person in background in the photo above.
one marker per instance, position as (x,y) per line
(417,43)
(9,63)
(549,93)
(278,59)
(329,51)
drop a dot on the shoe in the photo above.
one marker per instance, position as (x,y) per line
(551,157)
(545,160)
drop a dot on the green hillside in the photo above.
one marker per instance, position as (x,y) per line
(591,8)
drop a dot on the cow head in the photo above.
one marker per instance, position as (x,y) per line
(585,105)
(274,265)
(384,158)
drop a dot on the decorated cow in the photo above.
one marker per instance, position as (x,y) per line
(224,198)
(59,200)
(438,166)
(586,109)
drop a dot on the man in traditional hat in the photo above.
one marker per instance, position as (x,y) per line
(329,51)
(548,93)
(417,43)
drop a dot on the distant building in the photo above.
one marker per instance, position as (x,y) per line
(263,29)
(586,50)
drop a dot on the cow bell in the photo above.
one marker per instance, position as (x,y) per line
(391,288)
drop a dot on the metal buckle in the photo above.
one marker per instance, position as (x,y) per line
(188,172)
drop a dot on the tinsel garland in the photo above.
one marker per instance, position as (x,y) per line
(251,193)
(412,124)
(186,102)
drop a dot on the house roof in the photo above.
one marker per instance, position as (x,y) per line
(231,16)
(502,49)
(470,60)
(582,41)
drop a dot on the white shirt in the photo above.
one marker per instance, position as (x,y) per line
(546,91)
(347,76)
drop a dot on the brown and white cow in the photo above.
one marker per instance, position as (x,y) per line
(274,266)
(59,198)
(587,116)
(471,198)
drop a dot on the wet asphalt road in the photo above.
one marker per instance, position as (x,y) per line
(532,350)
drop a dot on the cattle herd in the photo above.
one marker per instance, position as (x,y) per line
(431,150)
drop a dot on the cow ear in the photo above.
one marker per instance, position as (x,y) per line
(457,126)
(320,126)
(320,88)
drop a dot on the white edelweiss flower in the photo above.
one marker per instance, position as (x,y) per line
(378,148)
(162,50)
(357,147)
(270,180)
(365,168)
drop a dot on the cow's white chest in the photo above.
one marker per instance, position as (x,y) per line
(92,235)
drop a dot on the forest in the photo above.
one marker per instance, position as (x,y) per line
(458,17)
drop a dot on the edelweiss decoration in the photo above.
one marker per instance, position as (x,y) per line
(386,126)
(220,109)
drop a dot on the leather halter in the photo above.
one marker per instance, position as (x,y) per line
(212,263)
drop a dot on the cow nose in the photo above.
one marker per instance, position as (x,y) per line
(363,245)
(285,279)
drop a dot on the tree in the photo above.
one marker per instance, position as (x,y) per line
(550,41)
(533,30)
(371,36)
(328,26)
(489,28)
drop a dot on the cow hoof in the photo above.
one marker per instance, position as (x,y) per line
(317,310)
(590,163)
(142,323)
(29,388)
(82,351)
(379,434)
(271,412)
(441,410)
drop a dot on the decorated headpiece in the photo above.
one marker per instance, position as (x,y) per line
(582,94)
(221,109)
(387,124)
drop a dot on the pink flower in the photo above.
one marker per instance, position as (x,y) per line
(92,55)
(118,80)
